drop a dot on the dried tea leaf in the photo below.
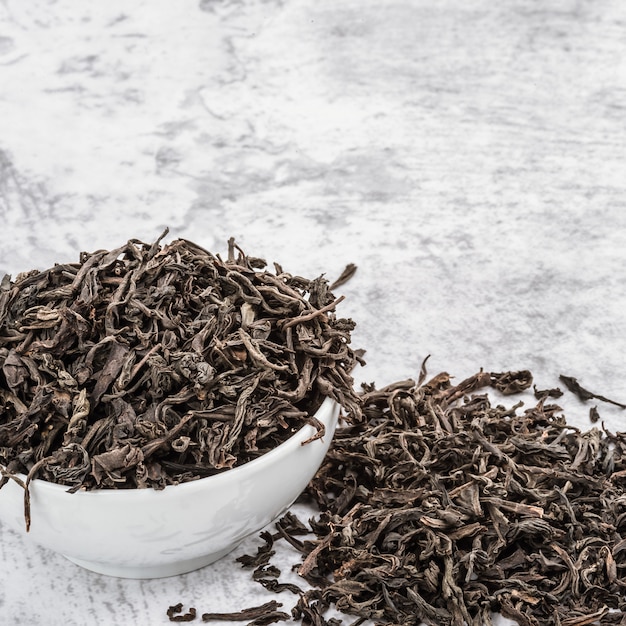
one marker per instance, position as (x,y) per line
(573,385)
(348,272)
(555,392)
(161,364)
(267,613)
(441,508)
(175,613)
(149,365)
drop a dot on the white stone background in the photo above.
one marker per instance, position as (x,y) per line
(468,156)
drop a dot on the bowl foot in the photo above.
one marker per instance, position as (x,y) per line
(150,571)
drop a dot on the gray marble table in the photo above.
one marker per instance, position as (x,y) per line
(469,157)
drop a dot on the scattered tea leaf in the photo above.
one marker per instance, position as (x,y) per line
(175,613)
(267,613)
(348,272)
(573,385)
(555,392)
(441,508)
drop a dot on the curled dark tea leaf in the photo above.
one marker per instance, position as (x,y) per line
(574,386)
(175,613)
(150,365)
(547,393)
(441,508)
(511,382)
(348,272)
(267,613)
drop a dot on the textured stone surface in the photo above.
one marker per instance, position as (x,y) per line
(467,156)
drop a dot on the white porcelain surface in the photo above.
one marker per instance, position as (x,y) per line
(145,533)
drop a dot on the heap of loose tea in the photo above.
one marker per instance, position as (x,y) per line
(148,365)
(441,508)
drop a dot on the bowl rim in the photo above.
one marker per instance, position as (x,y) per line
(327,412)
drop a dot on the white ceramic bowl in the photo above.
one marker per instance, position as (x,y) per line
(144,533)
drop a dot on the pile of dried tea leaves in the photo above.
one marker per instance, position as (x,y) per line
(148,365)
(440,508)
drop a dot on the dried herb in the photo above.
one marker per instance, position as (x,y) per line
(540,394)
(263,555)
(310,610)
(262,615)
(441,508)
(151,365)
(267,613)
(573,385)
(271,584)
(510,383)
(594,415)
(175,613)
(345,276)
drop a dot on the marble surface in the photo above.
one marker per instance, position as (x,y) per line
(469,157)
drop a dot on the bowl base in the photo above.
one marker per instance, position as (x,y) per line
(151,571)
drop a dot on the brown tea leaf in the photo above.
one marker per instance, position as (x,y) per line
(163,364)
(573,385)
(255,616)
(176,615)
(440,508)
